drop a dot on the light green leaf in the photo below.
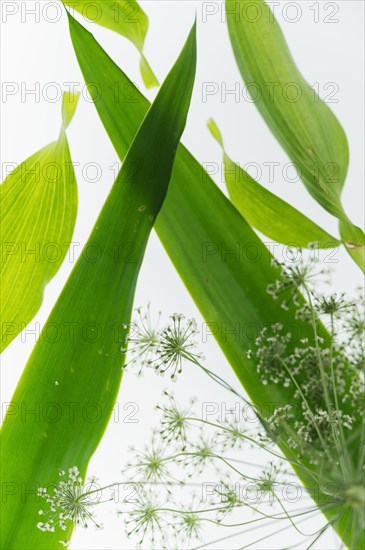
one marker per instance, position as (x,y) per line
(303,124)
(215,131)
(74,379)
(354,239)
(127,18)
(148,76)
(69,104)
(38,214)
(199,229)
(266,212)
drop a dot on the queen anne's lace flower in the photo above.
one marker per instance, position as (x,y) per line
(142,340)
(69,502)
(146,518)
(151,465)
(176,345)
(164,350)
(175,420)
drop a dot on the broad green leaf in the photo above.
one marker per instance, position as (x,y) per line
(266,212)
(127,18)
(38,215)
(73,375)
(199,228)
(304,124)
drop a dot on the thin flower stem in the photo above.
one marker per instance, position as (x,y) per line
(307,407)
(314,475)
(245,531)
(287,515)
(253,465)
(323,375)
(316,538)
(342,436)
(303,512)
(275,533)
(230,388)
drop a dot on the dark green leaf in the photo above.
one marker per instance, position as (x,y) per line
(73,379)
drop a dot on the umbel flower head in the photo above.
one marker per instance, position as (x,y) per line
(69,503)
(176,345)
(142,340)
(146,517)
(151,464)
(164,350)
(335,305)
(297,278)
(175,419)
(188,523)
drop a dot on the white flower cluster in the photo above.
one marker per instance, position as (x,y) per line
(69,502)
(164,350)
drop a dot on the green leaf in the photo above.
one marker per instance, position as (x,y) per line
(69,104)
(199,228)
(148,76)
(74,379)
(215,131)
(38,215)
(354,239)
(127,18)
(266,212)
(303,124)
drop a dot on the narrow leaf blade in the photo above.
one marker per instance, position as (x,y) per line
(83,369)
(303,124)
(266,212)
(354,240)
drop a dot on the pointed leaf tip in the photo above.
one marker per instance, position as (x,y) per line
(69,104)
(216,133)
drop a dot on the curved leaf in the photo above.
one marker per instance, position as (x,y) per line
(303,124)
(82,369)
(38,215)
(266,212)
(354,240)
(127,18)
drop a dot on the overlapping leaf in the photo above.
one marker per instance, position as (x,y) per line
(304,124)
(126,17)
(73,375)
(199,229)
(354,240)
(266,212)
(38,215)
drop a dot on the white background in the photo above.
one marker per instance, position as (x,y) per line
(42,52)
